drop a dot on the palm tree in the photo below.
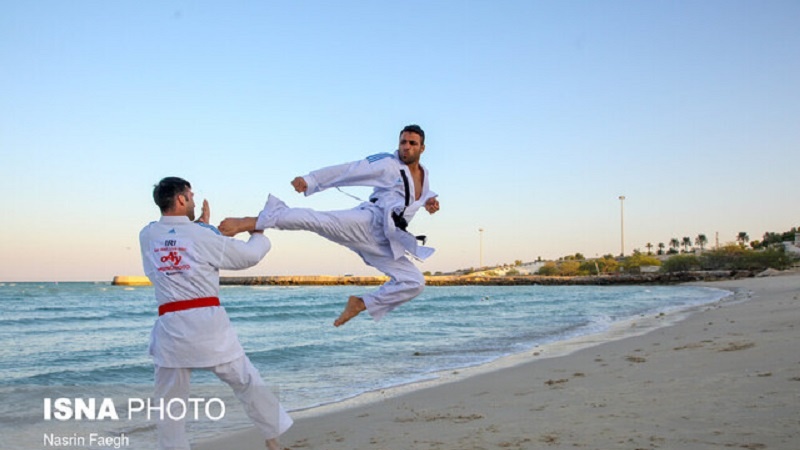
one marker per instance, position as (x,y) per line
(701,240)
(649,247)
(674,244)
(742,238)
(661,248)
(687,242)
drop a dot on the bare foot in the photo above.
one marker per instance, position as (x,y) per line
(354,307)
(235,225)
(272,444)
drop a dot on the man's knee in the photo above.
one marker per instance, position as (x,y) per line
(417,285)
(238,374)
(418,290)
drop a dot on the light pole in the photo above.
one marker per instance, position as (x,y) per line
(480,230)
(622,224)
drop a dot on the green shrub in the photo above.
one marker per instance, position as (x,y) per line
(737,258)
(725,258)
(588,268)
(637,260)
(548,270)
(775,258)
(569,268)
(680,263)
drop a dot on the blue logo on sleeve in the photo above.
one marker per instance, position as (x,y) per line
(378,157)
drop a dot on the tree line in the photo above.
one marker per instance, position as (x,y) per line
(701,240)
(761,255)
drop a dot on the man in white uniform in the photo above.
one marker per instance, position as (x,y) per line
(375,230)
(182,258)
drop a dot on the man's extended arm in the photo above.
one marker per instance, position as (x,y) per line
(237,255)
(372,172)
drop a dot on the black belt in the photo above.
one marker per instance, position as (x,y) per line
(401,223)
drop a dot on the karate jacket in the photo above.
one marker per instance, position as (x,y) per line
(182,259)
(381,172)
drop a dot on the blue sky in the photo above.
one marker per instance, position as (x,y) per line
(538,115)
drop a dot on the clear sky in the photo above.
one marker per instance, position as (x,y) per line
(538,114)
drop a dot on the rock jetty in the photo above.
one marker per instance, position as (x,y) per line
(480,280)
(469,280)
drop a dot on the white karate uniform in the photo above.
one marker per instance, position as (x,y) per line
(182,259)
(368,229)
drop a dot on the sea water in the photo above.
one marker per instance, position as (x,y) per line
(83,341)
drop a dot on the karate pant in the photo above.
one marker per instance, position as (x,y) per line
(361,230)
(259,402)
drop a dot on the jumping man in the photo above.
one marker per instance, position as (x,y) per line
(375,229)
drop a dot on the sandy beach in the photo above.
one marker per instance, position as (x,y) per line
(725,377)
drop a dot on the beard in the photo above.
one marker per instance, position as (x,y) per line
(408,158)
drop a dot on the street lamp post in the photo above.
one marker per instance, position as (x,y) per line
(480,230)
(622,224)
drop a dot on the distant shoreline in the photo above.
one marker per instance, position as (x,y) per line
(470,280)
(481,280)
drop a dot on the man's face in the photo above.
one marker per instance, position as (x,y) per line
(186,201)
(410,147)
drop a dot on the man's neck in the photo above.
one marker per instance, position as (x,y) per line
(174,213)
(414,167)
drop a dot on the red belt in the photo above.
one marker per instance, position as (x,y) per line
(187,304)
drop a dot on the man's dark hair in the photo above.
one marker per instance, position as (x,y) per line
(165,191)
(414,129)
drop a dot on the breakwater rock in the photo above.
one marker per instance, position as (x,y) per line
(301,280)
(478,280)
